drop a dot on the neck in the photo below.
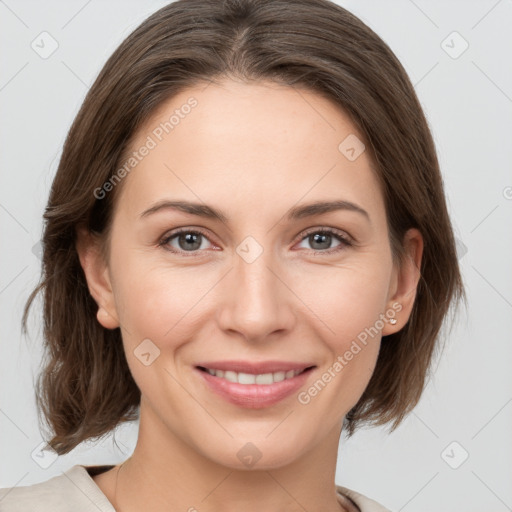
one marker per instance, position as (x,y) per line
(170,476)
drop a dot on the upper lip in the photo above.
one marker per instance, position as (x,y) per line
(255,368)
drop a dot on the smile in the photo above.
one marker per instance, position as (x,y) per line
(249,378)
(253,385)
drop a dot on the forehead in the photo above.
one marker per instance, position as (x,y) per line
(249,144)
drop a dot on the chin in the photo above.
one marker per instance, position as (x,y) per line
(242,454)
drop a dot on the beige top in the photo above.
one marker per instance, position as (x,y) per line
(75,490)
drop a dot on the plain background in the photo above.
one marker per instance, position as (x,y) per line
(454,452)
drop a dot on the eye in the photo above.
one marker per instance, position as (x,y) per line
(321,239)
(184,241)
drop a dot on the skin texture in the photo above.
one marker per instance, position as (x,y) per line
(253,151)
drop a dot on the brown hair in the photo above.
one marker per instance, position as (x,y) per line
(86,388)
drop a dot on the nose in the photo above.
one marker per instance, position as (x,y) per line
(256,299)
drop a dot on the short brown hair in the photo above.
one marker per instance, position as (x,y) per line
(86,388)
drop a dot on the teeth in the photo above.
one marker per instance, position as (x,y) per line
(250,378)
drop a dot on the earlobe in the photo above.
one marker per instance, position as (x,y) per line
(106,319)
(407,278)
(97,276)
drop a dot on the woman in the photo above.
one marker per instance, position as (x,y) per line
(247,248)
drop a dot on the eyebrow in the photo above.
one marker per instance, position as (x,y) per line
(295,213)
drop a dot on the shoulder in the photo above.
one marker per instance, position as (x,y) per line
(73,490)
(363,503)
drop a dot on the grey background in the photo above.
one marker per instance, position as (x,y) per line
(466,410)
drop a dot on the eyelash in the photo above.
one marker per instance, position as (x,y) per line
(345,240)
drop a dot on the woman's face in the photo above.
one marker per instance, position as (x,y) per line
(259,280)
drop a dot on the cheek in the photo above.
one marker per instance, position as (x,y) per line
(159,302)
(346,299)
(162,311)
(349,302)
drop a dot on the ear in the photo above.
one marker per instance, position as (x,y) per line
(405,281)
(98,277)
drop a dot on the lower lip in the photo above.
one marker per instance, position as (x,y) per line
(254,396)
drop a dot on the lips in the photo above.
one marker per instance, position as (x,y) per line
(254,385)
